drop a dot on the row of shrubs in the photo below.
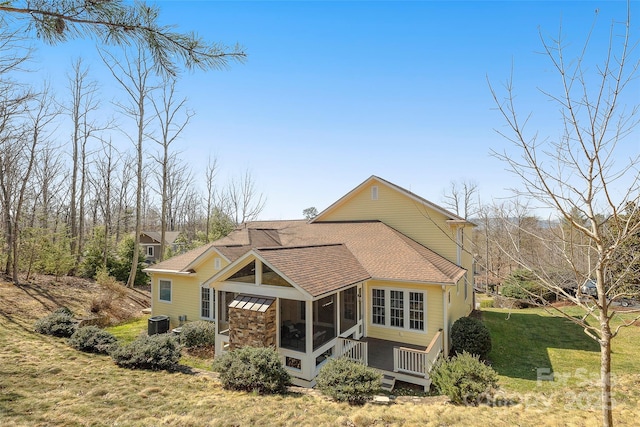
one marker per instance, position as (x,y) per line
(147,352)
(464,377)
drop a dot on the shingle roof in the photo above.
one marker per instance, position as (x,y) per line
(301,248)
(316,269)
(179,263)
(169,236)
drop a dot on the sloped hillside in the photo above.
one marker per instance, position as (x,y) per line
(42,294)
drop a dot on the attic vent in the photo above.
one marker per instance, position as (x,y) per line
(374,192)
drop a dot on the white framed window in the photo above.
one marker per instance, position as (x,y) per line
(416,311)
(374,192)
(398,308)
(149,250)
(217,263)
(378,307)
(164,290)
(207,303)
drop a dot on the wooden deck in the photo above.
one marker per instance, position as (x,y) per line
(380,352)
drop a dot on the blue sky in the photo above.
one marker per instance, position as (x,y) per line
(334,92)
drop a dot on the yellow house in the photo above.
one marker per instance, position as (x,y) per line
(379,277)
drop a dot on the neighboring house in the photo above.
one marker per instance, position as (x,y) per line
(150,243)
(379,277)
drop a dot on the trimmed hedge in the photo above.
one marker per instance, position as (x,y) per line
(92,339)
(252,369)
(60,323)
(471,335)
(347,381)
(198,334)
(464,379)
(153,352)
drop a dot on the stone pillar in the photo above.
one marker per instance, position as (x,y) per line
(252,328)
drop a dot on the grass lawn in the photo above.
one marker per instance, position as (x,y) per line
(43,381)
(533,342)
(129,331)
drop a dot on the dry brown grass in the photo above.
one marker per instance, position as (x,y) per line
(44,382)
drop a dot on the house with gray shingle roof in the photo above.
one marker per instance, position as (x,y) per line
(150,242)
(379,277)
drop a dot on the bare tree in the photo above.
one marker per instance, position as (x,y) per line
(83,106)
(580,172)
(172,117)
(133,74)
(461,198)
(50,173)
(244,202)
(210,178)
(106,166)
(19,148)
(124,24)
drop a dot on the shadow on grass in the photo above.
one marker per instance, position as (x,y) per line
(520,341)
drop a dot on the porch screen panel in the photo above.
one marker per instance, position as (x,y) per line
(397,309)
(348,309)
(416,311)
(377,306)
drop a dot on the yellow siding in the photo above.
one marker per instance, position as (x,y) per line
(185,292)
(434,314)
(399,211)
(185,298)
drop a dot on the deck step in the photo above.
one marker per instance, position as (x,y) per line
(388,382)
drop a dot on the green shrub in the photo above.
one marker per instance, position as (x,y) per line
(59,324)
(198,334)
(154,352)
(252,369)
(523,285)
(347,381)
(464,379)
(471,335)
(92,339)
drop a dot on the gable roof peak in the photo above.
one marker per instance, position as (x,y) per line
(397,188)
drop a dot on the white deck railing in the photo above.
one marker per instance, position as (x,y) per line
(352,349)
(417,362)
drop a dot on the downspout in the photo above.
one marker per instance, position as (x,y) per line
(445,326)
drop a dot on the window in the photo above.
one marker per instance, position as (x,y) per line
(149,250)
(405,309)
(397,310)
(374,192)
(378,305)
(207,303)
(164,293)
(246,274)
(416,311)
(216,263)
(270,277)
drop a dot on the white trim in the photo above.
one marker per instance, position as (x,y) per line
(203,255)
(401,190)
(170,290)
(212,302)
(173,272)
(229,270)
(406,316)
